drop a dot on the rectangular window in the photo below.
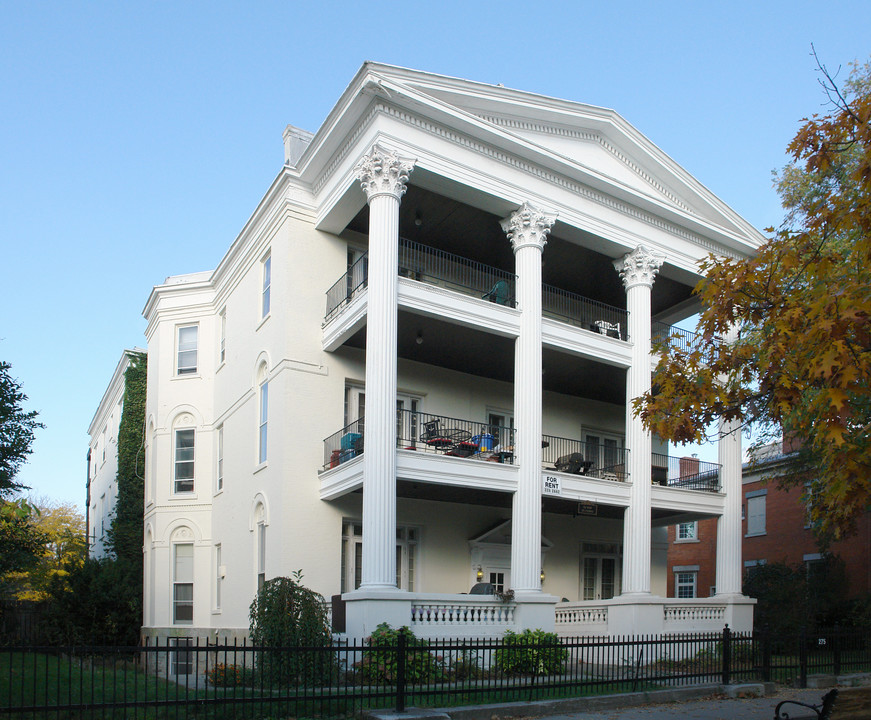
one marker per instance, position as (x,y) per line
(220,480)
(267,285)
(261,555)
(222,350)
(685,584)
(219,575)
(264,417)
(187,350)
(756,514)
(183,584)
(182,656)
(184,460)
(687,531)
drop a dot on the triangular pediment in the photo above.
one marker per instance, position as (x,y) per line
(595,145)
(500,534)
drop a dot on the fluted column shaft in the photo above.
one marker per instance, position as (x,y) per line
(638,270)
(383,176)
(527,229)
(728,580)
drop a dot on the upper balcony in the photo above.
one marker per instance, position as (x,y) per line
(474,279)
(464,440)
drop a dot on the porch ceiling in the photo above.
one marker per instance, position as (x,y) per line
(452,494)
(487,355)
(574,263)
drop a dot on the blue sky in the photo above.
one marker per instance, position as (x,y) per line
(135,138)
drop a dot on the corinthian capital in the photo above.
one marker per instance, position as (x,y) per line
(383,172)
(528,226)
(639,267)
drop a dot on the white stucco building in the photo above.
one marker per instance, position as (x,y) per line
(102,485)
(412,371)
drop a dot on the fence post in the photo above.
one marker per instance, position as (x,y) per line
(836,650)
(401,646)
(727,655)
(802,658)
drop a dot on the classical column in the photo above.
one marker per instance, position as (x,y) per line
(527,229)
(638,270)
(728,580)
(383,176)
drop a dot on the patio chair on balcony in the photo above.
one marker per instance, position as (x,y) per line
(434,437)
(499,293)
(606,328)
(574,464)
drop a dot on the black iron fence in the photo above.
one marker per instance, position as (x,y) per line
(184,678)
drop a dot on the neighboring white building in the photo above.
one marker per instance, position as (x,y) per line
(447,289)
(102,488)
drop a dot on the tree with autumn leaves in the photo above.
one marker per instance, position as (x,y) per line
(799,317)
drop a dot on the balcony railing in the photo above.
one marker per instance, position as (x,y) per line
(425,432)
(580,458)
(436,267)
(347,287)
(684,340)
(583,312)
(344,445)
(688,473)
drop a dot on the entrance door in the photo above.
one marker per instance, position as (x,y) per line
(600,571)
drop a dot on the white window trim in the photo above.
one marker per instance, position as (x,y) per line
(219,461)
(695,535)
(187,371)
(222,340)
(179,583)
(266,286)
(263,423)
(686,571)
(175,462)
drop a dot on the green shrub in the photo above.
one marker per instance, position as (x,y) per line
(532,652)
(291,620)
(379,663)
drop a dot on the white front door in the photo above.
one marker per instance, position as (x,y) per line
(601,567)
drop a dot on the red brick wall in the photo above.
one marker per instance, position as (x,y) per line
(786,539)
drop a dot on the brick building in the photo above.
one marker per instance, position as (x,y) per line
(774,528)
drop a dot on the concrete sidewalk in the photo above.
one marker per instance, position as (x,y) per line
(714,707)
(697,703)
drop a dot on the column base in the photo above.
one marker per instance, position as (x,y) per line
(367,608)
(535,610)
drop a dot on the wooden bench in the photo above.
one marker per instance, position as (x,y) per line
(848,704)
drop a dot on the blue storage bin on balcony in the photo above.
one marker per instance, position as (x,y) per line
(348,440)
(484,442)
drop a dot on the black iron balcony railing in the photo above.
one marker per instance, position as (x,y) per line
(582,458)
(684,340)
(344,445)
(425,432)
(347,287)
(688,473)
(432,266)
(583,312)
(436,267)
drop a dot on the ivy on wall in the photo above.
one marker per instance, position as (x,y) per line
(125,536)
